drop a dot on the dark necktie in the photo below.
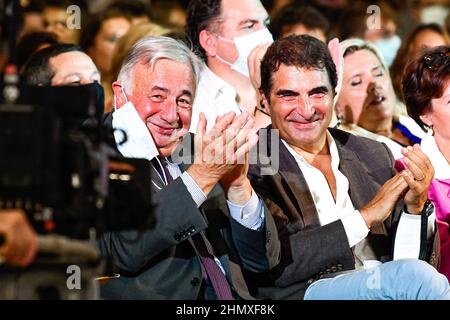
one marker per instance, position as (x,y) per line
(211,269)
(163,171)
(201,245)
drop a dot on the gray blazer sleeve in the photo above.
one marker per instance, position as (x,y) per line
(258,250)
(177,218)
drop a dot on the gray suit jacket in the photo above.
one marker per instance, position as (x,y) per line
(309,250)
(162,264)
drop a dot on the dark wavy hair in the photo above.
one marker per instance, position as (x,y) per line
(201,15)
(421,84)
(404,52)
(300,51)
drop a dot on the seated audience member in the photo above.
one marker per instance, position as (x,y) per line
(32,20)
(57,18)
(426,88)
(58,65)
(224,33)
(355,22)
(99,39)
(169,13)
(190,252)
(338,204)
(19,240)
(303,19)
(138,11)
(423,36)
(32,42)
(367,102)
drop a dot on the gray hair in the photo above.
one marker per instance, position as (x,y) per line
(151,49)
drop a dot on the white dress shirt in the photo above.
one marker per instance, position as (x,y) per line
(214,97)
(355,227)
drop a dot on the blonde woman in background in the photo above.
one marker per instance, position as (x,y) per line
(367,105)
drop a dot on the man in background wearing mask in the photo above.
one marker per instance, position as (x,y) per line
(224,33)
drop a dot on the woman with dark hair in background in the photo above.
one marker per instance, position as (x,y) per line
(426,88)
(99,40)
(423,36)
(300,19)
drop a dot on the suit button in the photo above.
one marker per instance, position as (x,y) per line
(195,281)
(334,269)
(328,271)
(192,230)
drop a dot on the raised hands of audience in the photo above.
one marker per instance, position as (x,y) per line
(254,64)
(384,202)
(222,151)
(418,176)
(337,55)
(19,240)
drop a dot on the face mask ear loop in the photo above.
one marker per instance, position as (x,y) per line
(123,92)
(114,97)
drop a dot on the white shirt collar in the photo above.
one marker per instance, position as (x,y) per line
(328,209)
(331,145)
(431,149)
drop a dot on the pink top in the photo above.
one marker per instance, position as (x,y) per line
(439,194)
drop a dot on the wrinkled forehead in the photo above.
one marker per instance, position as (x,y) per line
(299,78)
(174,76)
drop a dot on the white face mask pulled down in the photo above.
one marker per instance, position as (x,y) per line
(245,45)
(139,143)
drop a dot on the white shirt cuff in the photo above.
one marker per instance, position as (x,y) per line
(196,192)
(407,238)
(250,215)
(355,227)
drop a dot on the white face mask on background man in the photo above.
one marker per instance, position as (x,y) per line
(245,45)
(389,47)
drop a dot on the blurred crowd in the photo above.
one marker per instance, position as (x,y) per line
(251,64)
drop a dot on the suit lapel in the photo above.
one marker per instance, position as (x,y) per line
(294,179)
(157,183)
(360,189)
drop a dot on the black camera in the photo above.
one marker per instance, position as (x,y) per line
(59,164)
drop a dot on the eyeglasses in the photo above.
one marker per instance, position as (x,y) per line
(433,61)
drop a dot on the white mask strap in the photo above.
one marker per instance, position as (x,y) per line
(224,39)
(123,92)
(114,97)
(223,60)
